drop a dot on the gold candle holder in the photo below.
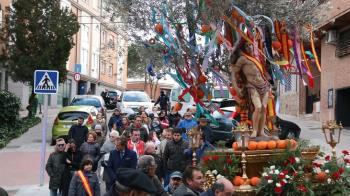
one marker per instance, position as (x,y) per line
(195,135)
(243,132)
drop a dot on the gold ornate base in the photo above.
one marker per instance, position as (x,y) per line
(245,190)
(258,159)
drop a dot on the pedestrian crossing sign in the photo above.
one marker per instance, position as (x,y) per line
(45,82)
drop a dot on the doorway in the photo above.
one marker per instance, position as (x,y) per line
(82,85)
(342,106)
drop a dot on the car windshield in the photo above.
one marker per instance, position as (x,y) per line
(72,115)
(112,94)
(86,101)
(136,97)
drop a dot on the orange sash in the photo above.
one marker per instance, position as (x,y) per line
(257,63)
(85,182)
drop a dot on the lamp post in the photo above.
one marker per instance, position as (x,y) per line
(332,132)
(195,135)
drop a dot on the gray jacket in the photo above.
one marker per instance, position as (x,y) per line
(93,150)
(183,190)
(54,167)
(76,187)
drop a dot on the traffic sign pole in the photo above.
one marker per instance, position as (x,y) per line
(43,141)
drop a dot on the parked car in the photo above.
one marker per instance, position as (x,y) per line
(91,100)
(225,119)
(133,100)
(68,116)
(113,99)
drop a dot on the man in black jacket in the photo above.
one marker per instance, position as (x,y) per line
(78,132)
(174,157)
(163,101)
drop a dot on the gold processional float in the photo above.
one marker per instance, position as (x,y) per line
(253,161)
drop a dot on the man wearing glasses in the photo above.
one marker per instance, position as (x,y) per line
(55,166)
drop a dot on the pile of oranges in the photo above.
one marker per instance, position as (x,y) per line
(238,181)
(271,144)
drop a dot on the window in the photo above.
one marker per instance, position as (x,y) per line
(343,45)
(110,70)
(96,61)
(104,37)
(288,86)
(84,33)
(103,67)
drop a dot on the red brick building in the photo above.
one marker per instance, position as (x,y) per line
(140,85)
(335,57)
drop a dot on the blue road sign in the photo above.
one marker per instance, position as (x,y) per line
(45,82)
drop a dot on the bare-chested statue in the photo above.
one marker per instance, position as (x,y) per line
(254,82)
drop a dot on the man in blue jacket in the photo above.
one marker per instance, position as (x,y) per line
(187,123)
(121,157)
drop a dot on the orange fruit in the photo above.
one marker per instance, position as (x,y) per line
(254,181)
(262,145)
(238,181)
(281,144)
(252,145)
(321,177)
(235,146)
(292,143)
(271,144)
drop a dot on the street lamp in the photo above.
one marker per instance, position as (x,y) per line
(332,131)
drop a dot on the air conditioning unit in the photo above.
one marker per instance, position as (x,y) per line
(331,37)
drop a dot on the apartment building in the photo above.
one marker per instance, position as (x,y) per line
(99,55)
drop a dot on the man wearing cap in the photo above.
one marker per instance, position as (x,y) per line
(175,182)
(147,164)
(121,157)
(78,132)
(115,119)
(131,182)
(193,182)
(206,129)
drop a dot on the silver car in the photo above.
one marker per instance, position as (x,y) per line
(91,100)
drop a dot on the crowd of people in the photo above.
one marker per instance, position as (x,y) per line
(142,154)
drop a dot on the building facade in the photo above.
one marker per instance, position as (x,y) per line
(335,56)
(99,55)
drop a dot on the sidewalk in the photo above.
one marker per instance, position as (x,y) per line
(20,160)
(312,130)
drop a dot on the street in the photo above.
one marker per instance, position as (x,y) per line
(20,160)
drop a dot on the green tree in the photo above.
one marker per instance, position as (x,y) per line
(40,36)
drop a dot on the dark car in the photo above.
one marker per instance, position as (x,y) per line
(225,119)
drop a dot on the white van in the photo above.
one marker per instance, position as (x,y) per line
(217,94)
